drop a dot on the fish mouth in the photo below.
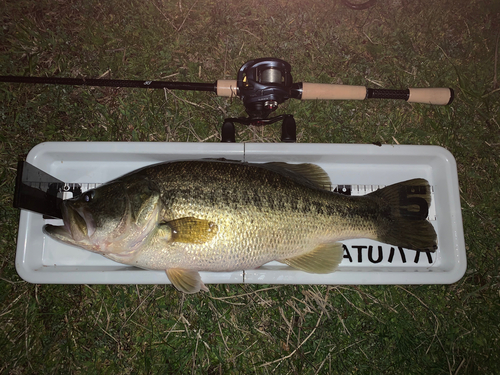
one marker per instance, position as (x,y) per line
(79,224)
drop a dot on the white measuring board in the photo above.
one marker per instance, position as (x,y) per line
(357,168)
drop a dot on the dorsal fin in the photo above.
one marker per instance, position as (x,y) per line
(312,173)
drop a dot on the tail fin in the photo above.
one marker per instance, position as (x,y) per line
(405,207)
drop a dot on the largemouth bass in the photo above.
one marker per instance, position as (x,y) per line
(219,215)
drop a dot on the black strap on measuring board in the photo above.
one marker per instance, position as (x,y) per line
(38,191)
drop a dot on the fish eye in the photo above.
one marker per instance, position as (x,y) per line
(88,196)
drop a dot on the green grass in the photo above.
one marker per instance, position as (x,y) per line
(432,329)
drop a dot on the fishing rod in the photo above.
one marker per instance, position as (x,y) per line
(262,84)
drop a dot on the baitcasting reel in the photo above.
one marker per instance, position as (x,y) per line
(263,84)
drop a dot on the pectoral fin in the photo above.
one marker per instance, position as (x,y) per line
(324,258)
(189,230)
(187,281)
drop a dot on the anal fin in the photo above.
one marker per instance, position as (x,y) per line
(187,281)
(325,258)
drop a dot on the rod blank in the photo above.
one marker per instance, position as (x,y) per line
(194,86)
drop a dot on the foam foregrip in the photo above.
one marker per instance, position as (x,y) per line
(227,87)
